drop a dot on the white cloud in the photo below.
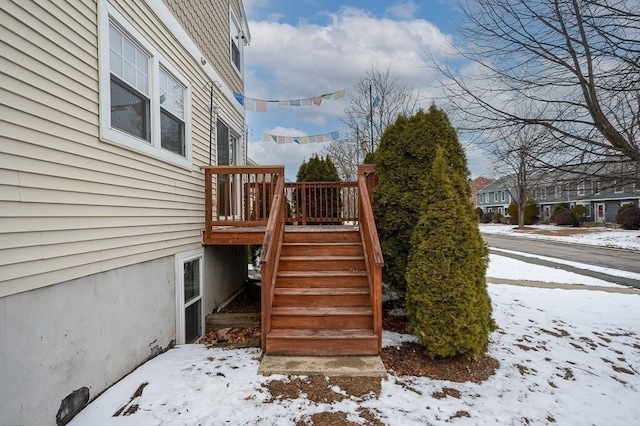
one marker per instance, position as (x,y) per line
(405,10)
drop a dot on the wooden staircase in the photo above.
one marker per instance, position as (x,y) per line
(321,300)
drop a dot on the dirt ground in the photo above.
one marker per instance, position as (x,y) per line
(407,359)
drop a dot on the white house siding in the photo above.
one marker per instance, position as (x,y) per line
(89,230)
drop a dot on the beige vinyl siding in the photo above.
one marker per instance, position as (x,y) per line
(214,41)
(72,205)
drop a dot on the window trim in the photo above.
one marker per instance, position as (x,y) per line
(234,22)
(618,188)
(181,259)
(581,188)
(108,134)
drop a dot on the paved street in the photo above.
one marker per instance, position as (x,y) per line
(624,260)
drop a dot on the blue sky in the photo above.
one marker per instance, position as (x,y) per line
(304,48)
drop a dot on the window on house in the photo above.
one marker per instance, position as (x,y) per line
(235,35)
(495,196)
(144,99)
(172,123)
(190,318)
(580,188)
(543,193)
(503,194)
(617,186)
(558,191)
(130,102)
(595,186)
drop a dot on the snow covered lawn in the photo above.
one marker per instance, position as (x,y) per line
(566,357)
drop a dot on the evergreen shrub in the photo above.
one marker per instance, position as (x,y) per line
(629,217)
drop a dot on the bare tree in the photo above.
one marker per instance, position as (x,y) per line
(576,61)
(378,92)
(520,155)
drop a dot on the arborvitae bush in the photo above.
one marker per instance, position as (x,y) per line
(478,212)
(629,217)
(447,303)
(319,169)
(404,159)
(579,213)
(513,213)
(497,217)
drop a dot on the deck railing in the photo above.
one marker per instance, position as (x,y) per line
(270,254)
(321,202)
(371,245)
(242,196)
(239,195)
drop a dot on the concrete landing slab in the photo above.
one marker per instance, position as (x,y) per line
(369,366)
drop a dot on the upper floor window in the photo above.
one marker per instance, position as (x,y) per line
(236,42)
(595,186)
(143,99)
(503,194)
(543,193)
(558,191)
(580,187)
(617,186)
(495,196)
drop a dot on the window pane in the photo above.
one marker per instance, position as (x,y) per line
(222,140)
(191,280)
(129,111)
(128,61)
(171,95)
(172,133)
(192,327)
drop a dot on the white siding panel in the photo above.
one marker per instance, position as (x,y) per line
(70,204)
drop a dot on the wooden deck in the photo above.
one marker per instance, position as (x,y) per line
(321,290)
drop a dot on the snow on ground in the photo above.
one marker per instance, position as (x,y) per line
(566,357)
(616,238)
(512,269)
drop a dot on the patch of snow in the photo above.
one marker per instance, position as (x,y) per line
(512,269)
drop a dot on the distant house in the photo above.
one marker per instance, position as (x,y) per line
(476,185)
(109,108)
(602,196)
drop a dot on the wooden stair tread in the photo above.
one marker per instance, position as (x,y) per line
(321,291)
(328,274)
(320,311)
(322,244)
(292,333)
(315,258)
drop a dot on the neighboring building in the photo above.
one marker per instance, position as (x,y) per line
(105,121)
(494,198)
(602,197)
(476,185)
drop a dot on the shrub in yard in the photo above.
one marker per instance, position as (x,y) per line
(629,217)
(497,217)
(557,209)
(478,211)
(486,217)
(579,213)
(530,213)
(404,159)
(447,303)
(563,217)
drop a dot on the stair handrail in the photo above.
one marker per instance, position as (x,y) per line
(371,244)
(270,254)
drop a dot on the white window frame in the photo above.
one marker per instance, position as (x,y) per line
(580,188)
(181,259)
(617,187)
(495,197)
(543,193)
(236,33)
(503,196)
(107,14)
(558,191)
